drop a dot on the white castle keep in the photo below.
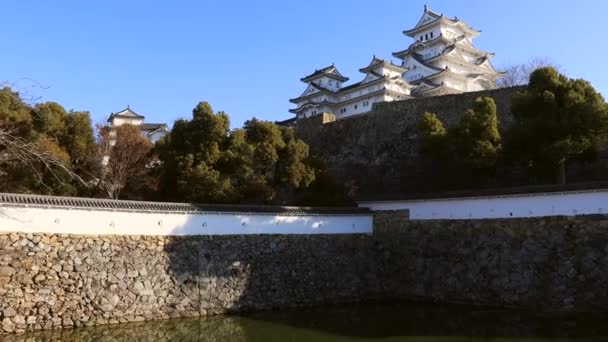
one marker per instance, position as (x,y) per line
(442,60)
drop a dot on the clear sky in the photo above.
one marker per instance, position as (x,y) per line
(246,57)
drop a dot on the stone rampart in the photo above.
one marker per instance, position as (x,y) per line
(62,281)
(54,281)
(537,263)
(378,152)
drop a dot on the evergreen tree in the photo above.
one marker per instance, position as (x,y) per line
(201,160)
(556,118)
(35,152)
(466,152)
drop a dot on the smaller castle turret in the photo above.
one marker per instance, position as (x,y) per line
(326,93)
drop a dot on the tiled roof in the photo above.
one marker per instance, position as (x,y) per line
(330,71)
(287,123)
(378,61)
(19,200)
(152,126)
(127,113)
(354,85)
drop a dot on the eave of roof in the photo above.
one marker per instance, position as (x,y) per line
(330,71)
(419,59)
(288,122)
(128,109)
(412,32)
(384,64)
(316,86)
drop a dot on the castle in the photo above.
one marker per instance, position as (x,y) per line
(151,131)
(442,60)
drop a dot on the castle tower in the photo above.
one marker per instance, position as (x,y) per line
(325,92)
(443,59)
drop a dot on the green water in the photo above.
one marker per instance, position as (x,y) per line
(380,322)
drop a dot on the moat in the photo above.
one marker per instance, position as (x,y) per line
(365,322)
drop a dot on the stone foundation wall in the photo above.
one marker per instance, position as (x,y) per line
(543,264)
(64,281)
(378,152)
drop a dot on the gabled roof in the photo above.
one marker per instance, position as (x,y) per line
(427,14)
(379,61)
(427,79)
(330,71)
(430,18)
(287,123)
(306,95)
(420,60)
(309,104)
(125,113)
(425,85)
(152,126)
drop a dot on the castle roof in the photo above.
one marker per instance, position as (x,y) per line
(428,88)
(152,126)
(125,113)
(430,18)
(381,62)
(330,71)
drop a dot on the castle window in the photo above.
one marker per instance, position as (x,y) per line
(356,106)
(420,38)
(431,34)
(426,36)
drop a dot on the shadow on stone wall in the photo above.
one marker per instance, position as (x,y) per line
(225,274)
(65,281)
(259,274)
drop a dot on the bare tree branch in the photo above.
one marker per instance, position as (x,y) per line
(124,155)
(519,74)
(24,86)
(16,149)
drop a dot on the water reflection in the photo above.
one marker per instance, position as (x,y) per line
(385,322)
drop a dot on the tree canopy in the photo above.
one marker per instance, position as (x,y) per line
(470,147)
(45,149)
(202,160)
(556,118)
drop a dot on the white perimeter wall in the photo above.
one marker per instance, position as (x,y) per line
(525,205)
(105,222)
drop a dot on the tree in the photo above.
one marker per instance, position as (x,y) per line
(433,136)
(277,160)
(201,160)
(519,74)
(125,156)
(478,140)
(189,155)
(468,150)
(70,134)
(31,158)
(556,118)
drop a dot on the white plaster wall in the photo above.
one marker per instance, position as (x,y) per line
(526,205)
(100,222)
(122,121)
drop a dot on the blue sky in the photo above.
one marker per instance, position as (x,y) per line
(246,57)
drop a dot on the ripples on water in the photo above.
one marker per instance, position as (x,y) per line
(393,322)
